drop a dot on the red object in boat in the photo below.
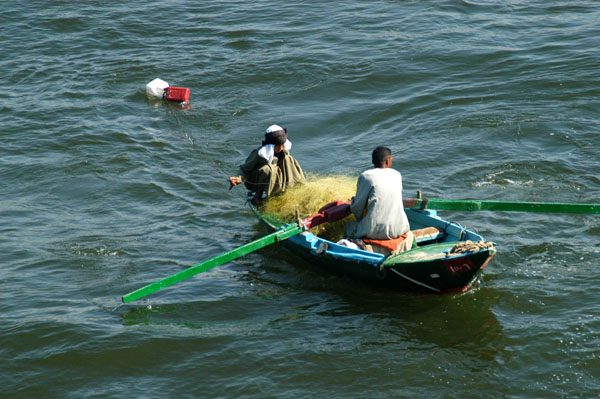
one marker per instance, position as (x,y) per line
(180,94)
(336,210)
(331,212)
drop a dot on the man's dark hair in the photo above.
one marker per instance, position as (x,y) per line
(380,154)
(278,137)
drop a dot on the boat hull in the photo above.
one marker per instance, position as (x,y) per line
(428,269)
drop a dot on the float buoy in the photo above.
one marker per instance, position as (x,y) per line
(179,94)
(158,88)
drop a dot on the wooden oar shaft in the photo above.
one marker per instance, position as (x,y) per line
(510,206)
(281,234)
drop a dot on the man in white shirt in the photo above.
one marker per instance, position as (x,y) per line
(377,205)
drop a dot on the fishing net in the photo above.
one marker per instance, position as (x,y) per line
(308,198)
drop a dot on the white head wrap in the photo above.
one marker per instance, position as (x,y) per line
(268,151)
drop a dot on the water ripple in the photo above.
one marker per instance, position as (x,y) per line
(105,190)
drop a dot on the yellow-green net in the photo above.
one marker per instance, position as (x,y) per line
(308,198)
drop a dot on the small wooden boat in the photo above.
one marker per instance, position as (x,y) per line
(448,258)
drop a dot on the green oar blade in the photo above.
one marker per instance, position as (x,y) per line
(509,206)
(281,234)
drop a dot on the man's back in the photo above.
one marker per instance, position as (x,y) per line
(379,190)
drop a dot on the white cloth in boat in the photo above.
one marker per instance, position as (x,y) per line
(385,247)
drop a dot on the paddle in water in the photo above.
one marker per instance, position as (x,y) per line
(511,206)
(329,213)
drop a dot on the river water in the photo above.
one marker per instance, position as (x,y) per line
(104,191)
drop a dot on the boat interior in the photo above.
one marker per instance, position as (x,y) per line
(429,228)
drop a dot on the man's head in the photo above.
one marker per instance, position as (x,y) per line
(276,135)
(382,157)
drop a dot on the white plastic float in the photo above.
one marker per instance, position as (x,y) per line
(158,88)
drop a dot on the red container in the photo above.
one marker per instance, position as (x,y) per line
(180,94)
(336,210)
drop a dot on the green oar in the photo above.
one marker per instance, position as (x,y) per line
(474,205)
(331,212)
(280,235)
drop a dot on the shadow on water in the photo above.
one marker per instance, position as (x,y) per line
(463,321)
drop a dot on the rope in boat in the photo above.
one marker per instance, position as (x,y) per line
(470,246)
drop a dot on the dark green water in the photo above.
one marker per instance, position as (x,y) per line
(104,191)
